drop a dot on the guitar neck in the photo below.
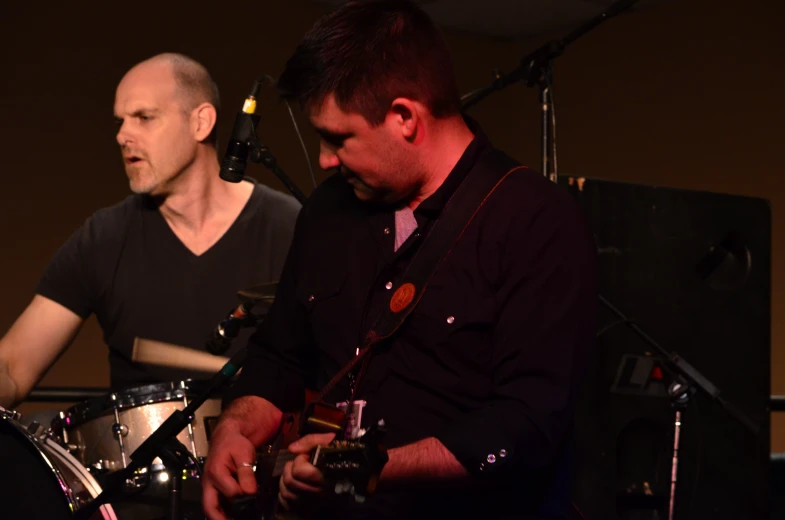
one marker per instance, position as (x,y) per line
(272,463)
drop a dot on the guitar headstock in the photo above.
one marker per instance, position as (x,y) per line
(354,465)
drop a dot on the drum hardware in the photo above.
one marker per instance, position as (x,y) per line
(103,466)
(118,429)
(163,443)
(240,317)
(48,481)
(98,426)
(59,394)
(12,415)
(190,426)
(91,432)
(64,432)
(35,428)
(259,295)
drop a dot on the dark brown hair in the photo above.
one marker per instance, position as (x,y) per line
(367,54)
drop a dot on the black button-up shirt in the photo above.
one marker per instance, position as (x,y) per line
(489,361)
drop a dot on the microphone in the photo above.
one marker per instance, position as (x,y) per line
(221,338)
(243,134)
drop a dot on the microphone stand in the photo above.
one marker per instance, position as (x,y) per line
(686,379)
(245,125)
(162,443)
(537,69)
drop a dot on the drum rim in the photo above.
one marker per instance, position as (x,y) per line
(68,496)
(132,397)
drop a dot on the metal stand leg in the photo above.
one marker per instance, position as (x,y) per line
(675,463)
(679,393)
(175,457)
(175,495)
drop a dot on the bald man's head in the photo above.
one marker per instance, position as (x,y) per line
(166,117)
(193,83)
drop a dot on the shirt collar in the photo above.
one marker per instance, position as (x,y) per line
(432,206)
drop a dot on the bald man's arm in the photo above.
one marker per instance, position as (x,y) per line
(32,345)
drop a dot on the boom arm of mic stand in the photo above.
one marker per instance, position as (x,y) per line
(261,154)
(531,67)
(160,439)
(686,370)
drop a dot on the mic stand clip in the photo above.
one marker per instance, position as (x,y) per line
(261,154)
(245,125)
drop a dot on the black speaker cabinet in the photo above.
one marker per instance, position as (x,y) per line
(691,269)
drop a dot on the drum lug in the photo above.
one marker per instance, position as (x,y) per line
(34,428)
(119,430)
(10,414)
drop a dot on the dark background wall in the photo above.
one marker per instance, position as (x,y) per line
(685,94)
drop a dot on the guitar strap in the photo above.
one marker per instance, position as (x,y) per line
(491,170)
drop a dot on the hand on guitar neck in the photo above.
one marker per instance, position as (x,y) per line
(313,468)
(317,472)
(301,481)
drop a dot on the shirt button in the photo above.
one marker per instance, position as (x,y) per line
(386,231)
(388,285)
(311,298)
(491,458)
(450,319)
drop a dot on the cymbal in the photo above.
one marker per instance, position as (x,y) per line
(264,293)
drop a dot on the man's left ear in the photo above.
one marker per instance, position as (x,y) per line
(203,120)
(406,114)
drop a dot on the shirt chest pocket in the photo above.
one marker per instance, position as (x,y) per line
(322,298)
(451,322)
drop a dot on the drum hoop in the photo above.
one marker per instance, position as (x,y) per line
(87,479)
(44,456)
(54,459)
(132,397)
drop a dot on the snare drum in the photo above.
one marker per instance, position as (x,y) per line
(108,429)
(41,479)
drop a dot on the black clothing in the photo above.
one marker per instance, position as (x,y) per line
(127,266)
(488,362)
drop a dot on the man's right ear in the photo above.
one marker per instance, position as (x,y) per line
(203,120)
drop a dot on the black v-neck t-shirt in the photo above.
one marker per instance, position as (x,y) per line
(126,266)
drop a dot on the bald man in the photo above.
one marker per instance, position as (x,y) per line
(165,263)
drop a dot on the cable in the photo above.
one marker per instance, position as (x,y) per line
(577,511)
(471,94)
(611,325)
(302,143)
(271,81)
(555,174)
